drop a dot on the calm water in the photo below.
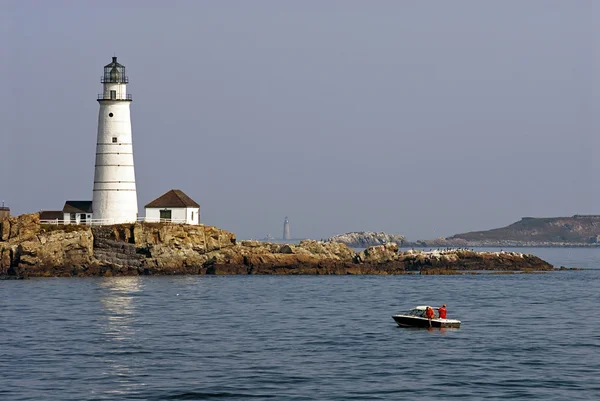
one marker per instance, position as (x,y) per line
(529,336)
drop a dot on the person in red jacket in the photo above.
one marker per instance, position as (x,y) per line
(442,311)
(430,314)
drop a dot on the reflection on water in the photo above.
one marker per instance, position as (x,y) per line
(118,304)
(440,330)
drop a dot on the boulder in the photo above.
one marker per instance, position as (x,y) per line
(363,239)
(22,227)
(379,254)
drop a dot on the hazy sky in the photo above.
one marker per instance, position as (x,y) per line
(423,118)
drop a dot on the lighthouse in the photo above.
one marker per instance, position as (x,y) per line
(115,199)
(286,229)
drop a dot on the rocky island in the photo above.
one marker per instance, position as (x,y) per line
(31,249)
(363,239)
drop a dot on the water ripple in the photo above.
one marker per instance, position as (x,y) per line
(299,338)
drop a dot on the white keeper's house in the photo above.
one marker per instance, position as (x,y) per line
(174,206)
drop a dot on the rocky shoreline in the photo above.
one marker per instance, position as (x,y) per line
(29,249)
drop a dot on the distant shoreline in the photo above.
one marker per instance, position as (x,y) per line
(409,246)
(578,231)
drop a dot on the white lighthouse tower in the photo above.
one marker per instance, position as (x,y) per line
(115,198)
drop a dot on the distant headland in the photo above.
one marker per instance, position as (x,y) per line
(575,231)
(29,248)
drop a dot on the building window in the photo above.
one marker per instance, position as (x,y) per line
(192,216)
(113,95)
(73,217)
(165,215)
(110,114)
(114,139)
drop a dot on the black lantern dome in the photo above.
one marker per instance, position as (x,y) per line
(114,73)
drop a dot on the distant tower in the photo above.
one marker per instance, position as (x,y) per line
(286,229)
(115,198)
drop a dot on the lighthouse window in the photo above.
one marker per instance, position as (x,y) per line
(114,139)
(110,114)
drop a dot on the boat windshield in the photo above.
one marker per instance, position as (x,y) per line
(415,312)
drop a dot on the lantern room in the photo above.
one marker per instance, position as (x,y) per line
(115,83)
(114,73)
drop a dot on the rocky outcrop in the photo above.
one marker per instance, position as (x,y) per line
(23,227)
(29,249)
(365,239)
(463,259)
(440,243)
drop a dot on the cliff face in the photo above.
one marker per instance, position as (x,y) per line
(30,249)
(364,239)
(555,231)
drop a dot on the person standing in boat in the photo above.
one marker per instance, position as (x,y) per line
(429,314)
(442,311)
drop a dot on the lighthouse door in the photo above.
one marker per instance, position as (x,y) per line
(113,95)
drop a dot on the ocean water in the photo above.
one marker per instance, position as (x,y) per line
(523,336)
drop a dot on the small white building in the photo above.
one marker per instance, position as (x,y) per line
(77,212)
(174,206)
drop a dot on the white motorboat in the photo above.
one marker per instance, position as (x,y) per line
(416,317)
